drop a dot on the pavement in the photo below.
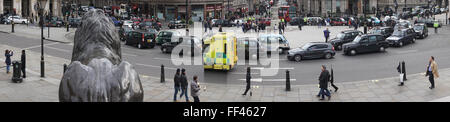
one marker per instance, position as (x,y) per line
(37,89)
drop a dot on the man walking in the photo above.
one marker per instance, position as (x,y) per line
(205,24)
(177,83)
(326,33)
(432,71)
(323,84)
(300,23)
(184,84)
(332,81)
(195,89)
(23,60)
(399,70)
(280,28)
(247,80)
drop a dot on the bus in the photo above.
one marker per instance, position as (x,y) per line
(220,52)
(283,13)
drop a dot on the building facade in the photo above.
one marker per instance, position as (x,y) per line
(356,7)
(28,8)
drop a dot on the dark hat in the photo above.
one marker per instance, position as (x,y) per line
(178,70)
(183,70)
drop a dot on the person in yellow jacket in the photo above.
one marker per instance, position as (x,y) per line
(432,71)
(436,26)
(305,20)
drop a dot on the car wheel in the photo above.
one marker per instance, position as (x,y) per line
(339,47)
(164,50)
(139,46)
(298,58)
(280,51)
(353,52)
(400,44)
(23,22)
(423,36)
(328,56)
(382,49)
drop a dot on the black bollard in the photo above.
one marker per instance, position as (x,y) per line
(162,74)
(67,25)
(65,68)
(288,81)
(192,47)
(404,71)
(12,27)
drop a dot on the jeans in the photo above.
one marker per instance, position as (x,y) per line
(7,68)
(177,88)
(323,92)
(184,92)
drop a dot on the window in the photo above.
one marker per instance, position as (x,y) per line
(322,46)
(380,38)
(363,41)
(313,47)
(372,39)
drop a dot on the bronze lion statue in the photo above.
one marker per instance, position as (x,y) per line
(96,72)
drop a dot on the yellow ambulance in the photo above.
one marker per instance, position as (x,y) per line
(220,51)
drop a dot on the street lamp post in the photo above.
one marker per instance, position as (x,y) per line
(12,20)
(364,13)
(41,23)
(48,27)
(187,19)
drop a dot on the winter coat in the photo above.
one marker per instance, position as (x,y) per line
(176,80)
(183,81)
(323,79)
(195,89)
(8,58)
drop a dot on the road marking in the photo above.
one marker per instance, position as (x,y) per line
(127,54)
(182,59)
(262,68)
(153,66)
(267,80)
(36,46)
(58,49)
(243,73)
(406,51)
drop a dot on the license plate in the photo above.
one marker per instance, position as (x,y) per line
(149,40)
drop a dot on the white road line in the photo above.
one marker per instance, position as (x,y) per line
(153,66)
(36,46)
(129,54)
(170,59)
(406,51)
(243,73)
(262,68)
(67,51)
(267,80)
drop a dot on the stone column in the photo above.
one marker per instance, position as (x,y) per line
(17,4)
(1,6)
